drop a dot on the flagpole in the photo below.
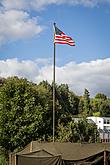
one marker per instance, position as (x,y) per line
(60,38)
(54,89)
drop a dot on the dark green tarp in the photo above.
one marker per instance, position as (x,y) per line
(62,154)
(24,160)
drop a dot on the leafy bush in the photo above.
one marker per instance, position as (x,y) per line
(3,160)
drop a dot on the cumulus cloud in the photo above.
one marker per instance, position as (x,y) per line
(16,22)
(36,4)
(93,75)
(17,25)
(13,67)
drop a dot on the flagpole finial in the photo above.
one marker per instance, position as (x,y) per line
(54,24)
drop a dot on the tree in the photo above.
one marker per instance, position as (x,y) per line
(26,111)
(104,109)
(81,105)
(101,104)
(45,93)
(95,104)
(80,131)
(67,99)
(20,113)
(101,96)
(86,101)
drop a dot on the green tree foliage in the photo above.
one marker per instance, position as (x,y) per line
(81,106)
(86,101)
(105,109)
(101,96)
(3,157)
(95,104)
(84,104)
(67,99)
(3,160)
(20,113)
(80,131)
(26,113)
(101,104)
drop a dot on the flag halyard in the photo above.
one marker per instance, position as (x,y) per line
(61,38)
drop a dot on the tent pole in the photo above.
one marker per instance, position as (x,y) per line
(105,158)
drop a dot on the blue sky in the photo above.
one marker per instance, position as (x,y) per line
(26,42)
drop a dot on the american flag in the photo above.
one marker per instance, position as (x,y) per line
(61,38)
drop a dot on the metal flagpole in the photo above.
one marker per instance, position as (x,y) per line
(54,90)
(61,39)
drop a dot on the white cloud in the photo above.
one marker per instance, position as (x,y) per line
(93,75)
(12,67)
(14,4)
(16,22)
(17,25)
(38,4)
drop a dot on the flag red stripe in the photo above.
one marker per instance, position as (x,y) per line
(61,38)
(71,44)
(65,40)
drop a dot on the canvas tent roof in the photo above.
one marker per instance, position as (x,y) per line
(49,153)
(68,151)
